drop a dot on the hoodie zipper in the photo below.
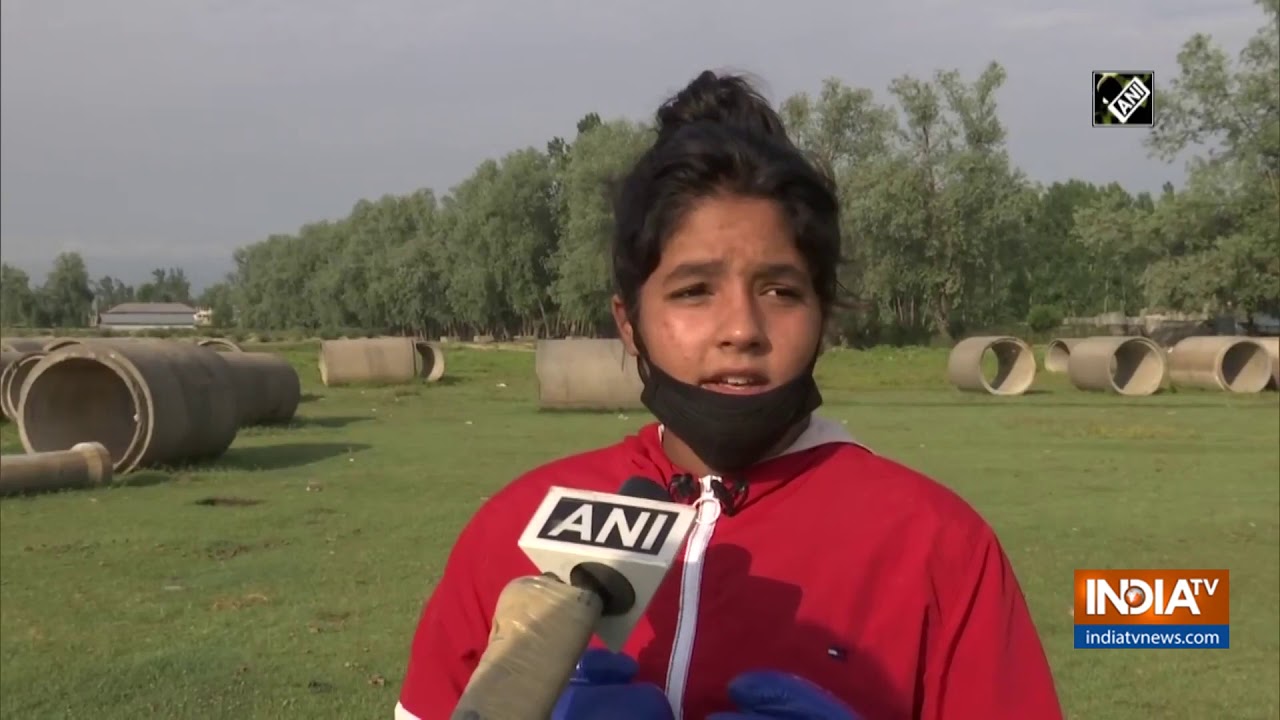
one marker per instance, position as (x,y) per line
(708,511)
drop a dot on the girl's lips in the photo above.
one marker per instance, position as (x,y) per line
(729,389)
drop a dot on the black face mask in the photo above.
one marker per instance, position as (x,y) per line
(728,432)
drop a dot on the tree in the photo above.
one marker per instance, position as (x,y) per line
(1061,271)
(944,215)
(1114,233)
(582,285)
(846,133)
(1218,241)
(218,297)
(65,300)
(109,292)
(17,301)
(168,285)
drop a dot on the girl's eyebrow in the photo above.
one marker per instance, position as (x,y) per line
(711,268)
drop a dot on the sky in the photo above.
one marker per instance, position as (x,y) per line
(149,133)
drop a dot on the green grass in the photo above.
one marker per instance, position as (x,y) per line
(136,601)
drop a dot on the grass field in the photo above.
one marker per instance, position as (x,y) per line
(142,601)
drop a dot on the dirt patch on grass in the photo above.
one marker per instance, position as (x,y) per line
(225,550)
(327,621)
(237,603)
(227,502)
(63,548)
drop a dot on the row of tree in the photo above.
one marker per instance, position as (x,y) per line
(943,231)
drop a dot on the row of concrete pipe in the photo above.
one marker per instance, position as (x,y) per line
(1132,366)
(88,408)
(139,402)
(594,374)
(598,374)
(143,402)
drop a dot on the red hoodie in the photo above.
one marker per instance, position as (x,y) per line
(841,566)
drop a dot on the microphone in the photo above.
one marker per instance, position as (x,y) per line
(602,557)
(643,487)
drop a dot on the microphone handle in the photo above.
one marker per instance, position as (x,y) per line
(541,627)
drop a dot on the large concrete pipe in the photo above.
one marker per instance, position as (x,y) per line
(85,464)
(148,403)
(11,384)
(1057,353)
(219,344)
(586,374)
(21,345)
(1121,365)
(1232,363)
(11,380)
(61,342)
(8,356)
(267,387)
(1015,365)
(1272,346)
(379,360)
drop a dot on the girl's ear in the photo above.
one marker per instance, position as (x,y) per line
(826,338)
(626,330)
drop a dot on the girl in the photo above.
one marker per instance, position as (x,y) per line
(811,556)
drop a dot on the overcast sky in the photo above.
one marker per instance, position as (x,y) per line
(168,132)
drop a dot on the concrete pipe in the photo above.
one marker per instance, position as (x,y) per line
(21,345)
(379,360)
(267,387)
(1121,365)
(85,465)
(1232,363)
(7,357)
(1272,346)
(149,404)
(1056,354)
(1015,365)
(11,380)
(219,344)
(62,342)
(586,374)
(59,343)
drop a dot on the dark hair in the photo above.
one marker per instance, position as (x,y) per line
(718,135)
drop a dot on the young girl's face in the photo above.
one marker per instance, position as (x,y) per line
(731,306)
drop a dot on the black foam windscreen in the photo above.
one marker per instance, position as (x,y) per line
(615,590)
(643,487)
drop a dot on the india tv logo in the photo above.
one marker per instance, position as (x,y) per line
(1152,609)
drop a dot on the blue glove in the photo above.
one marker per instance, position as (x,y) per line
(763,694)
(602,689)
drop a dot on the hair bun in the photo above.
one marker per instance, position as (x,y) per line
(724,99)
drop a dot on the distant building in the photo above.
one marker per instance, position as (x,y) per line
(148,316)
